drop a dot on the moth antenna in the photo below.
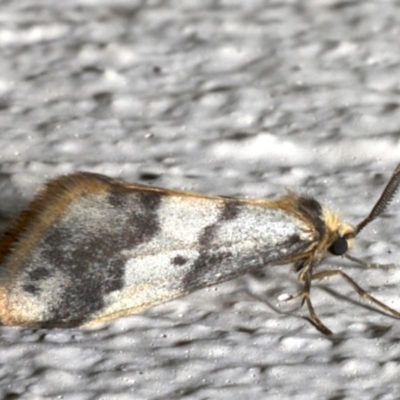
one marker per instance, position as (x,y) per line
(385,199)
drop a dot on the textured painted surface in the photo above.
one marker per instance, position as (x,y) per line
(238,98)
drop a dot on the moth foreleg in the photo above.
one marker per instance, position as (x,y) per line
(306,276)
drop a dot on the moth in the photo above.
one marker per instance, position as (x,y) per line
(89,248)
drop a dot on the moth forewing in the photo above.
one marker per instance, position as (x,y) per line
(101,249)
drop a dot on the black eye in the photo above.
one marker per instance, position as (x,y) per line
(339,246)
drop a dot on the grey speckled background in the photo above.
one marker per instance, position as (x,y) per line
(233,97)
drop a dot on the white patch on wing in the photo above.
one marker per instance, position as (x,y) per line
(150,279)
(158,267)
(184,218)
(181,222)
(260,226)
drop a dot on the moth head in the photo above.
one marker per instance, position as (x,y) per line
(345,233)
(343,240)
(340,235)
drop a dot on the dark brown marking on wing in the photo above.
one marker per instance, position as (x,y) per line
(91,263)
(179,260)
(30,288)
(229,211)
(34,278)
(209,255)
(39,274)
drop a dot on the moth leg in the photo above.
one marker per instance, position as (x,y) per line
(361,292)
(370,265)
(306,276)
(314,319)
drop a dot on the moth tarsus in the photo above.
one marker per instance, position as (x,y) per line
(89,249)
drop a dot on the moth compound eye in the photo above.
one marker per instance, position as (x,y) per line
(339,246)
